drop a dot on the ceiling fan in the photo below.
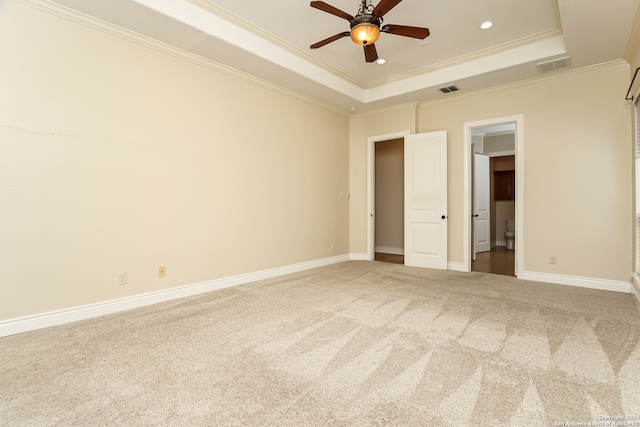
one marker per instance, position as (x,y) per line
(366,26)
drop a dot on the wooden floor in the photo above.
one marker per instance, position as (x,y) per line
(396,259)
(497,261)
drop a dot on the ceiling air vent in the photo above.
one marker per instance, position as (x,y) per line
(554,64)
(448,89)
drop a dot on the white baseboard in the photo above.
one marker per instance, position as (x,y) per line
(501,243)
(59,317)
(635,286)
(582,282)
(456,266)
(389,250)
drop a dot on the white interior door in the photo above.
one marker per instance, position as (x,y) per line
(425,200)
(482,204)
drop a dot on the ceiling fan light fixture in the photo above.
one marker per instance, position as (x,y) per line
(366,26)
(365,33)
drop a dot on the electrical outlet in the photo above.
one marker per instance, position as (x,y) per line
(553,259)
(122,278)
(333,246)
(162,271)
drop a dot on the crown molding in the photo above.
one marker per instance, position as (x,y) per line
(271,38)
(402,106)
(557,75)
(507,54)
(85,20)
(535,80)
(470,57)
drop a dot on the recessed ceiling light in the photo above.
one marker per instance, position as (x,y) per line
(486,25)
(381,61)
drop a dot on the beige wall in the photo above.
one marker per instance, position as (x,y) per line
(576,135)
(116,157)
(389,194)
(577,132)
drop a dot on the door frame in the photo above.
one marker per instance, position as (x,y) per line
(371,179)
(518,120)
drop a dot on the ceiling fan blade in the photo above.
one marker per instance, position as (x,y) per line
(383,7)
(370,53)
(406,31)
(332,10)
(329,40)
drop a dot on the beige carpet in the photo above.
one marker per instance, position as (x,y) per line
(353,344)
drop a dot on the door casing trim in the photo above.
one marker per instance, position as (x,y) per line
(371,173)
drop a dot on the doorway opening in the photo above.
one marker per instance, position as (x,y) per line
(493,237)
(388,247)
(389,201)
(493,199)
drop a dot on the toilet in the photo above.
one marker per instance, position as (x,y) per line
(510,234)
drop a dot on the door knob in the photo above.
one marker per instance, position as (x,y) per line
(443,217)
(475,215)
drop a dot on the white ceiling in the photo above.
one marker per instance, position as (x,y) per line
(270,40)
